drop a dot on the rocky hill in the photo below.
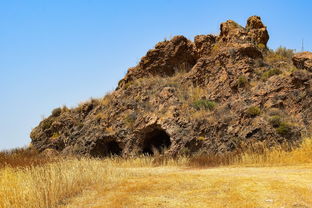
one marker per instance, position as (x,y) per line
(214,95)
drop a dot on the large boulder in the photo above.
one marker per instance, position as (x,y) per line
(303,60)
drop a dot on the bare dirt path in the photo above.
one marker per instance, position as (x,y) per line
(250,187)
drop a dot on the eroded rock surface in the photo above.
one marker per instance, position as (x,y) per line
(303,60)
(212,95)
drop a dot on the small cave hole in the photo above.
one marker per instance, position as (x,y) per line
(156,141)
(106,149)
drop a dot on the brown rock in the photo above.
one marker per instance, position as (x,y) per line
(257,31)
(204,44)
(166,59)
(301,75)
(254,22)
(303,60)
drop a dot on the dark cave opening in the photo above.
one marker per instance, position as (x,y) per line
(106,149)
(156,141)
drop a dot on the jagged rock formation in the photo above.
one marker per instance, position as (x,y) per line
(211,95)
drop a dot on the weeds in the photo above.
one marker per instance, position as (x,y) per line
(253,111)
(282,127)
(242,81)
(204,104)
(284,52)
(280,54)
(275,120)
(271,72)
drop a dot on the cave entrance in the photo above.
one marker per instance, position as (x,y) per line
(106,149)
(156,141)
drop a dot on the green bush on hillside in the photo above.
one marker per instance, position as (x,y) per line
(253,111)
(204,104)
(266,75)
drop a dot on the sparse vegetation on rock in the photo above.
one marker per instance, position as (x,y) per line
(204,104)
(270,73)
(218,87)
(253,111)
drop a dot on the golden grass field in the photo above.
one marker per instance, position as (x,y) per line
(275,178)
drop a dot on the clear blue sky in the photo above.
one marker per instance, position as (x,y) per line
(62,52)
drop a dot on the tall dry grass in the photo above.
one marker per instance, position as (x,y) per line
(277,156)
(261,156)
(52,184)
(23,157)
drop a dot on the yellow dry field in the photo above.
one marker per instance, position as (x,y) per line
(241,187)
(272,179)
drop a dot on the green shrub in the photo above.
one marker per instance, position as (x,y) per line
(253,111)
(275,121)
(266,75)
(204,104)
(283,128)
(56,112)
(242,81)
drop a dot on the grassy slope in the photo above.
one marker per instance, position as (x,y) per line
(271,179)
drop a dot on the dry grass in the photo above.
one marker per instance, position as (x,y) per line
(23,157)
(280,54)
(164,182)
(258,155)
(50,184)
(214,188)
(277,156)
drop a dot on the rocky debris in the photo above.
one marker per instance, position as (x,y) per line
(303,60)
(213,95)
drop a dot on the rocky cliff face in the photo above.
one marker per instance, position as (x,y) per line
(211,95)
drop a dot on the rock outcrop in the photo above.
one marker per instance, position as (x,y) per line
(303,60)
(167,58)
(212,95)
